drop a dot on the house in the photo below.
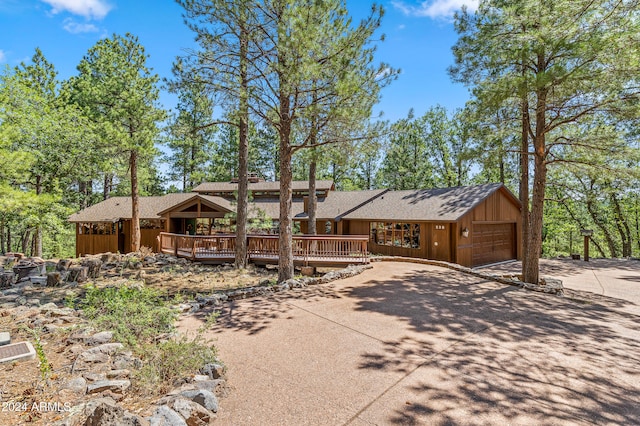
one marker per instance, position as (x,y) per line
(471,226)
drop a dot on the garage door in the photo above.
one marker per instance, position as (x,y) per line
(493,243)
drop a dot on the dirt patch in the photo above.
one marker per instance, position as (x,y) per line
(28,395)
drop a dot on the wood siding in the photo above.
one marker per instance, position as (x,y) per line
(92,244)
(497,209)
(149,238)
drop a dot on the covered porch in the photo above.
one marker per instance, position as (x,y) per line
(308,250)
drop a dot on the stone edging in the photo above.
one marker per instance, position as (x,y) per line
(550,286)
(223,296)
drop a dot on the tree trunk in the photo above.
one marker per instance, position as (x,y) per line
(82,190)
(623,226)
(524,175)
(582,226)
(37,246)
(135,207)
(3,239)
(243,154)
(313,200)
(285,262)
(25,241)
(106,189)
(530,270)
(613,250)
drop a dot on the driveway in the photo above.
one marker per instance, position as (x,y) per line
(417,344)
(617,278)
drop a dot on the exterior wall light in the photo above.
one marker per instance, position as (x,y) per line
(465,232)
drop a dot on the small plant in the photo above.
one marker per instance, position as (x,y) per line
(166,363)
(43,364)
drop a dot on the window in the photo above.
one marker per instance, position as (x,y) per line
(395,234)
(151,224)
(327,227)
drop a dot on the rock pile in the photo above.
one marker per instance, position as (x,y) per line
(100,377)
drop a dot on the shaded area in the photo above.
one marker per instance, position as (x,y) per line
(508,355)
(418,344)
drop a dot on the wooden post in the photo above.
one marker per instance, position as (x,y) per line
(586,248)
(586,233)
(175,245)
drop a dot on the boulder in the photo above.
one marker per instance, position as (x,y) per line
(78,274)
(54,279)
(39,281)
(26,270)
(100,353)
(106,412)
(116,386)
(203,397)
(99,338)
(194,414)
(7,279)
(213,370)
(93,266)
(77,385)
(165,416)
(63,265)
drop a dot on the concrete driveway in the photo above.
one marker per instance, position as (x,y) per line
(617,278)
(416,344)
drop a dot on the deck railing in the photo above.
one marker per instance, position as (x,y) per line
(199,247)
(312,249)
(308,250)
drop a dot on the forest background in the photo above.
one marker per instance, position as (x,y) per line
(67,144)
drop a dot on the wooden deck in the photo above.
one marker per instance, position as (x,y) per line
(308,250)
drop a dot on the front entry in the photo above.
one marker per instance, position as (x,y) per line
(440,242)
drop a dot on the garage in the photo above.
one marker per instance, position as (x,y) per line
(494,242)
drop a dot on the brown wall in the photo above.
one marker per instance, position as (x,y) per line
(149,238)
(452,246)
(336,228)
(92,244)
(497,208)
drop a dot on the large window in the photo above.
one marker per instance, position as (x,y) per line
(151,224)
(396,234)
(97,228)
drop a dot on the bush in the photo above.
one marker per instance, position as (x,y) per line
(166,363)
(138,318)
(135,315)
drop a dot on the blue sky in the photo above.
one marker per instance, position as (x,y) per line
(419,36)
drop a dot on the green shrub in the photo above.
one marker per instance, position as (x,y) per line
(165,363)
(138,317)
(135,315)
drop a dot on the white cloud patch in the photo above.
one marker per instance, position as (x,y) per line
(75,28)
(3,56)
(90,9)
(435,8)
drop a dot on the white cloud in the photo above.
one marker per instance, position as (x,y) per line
(435,8)
(402,26)
(90,9)
(75,28)
(3,56)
